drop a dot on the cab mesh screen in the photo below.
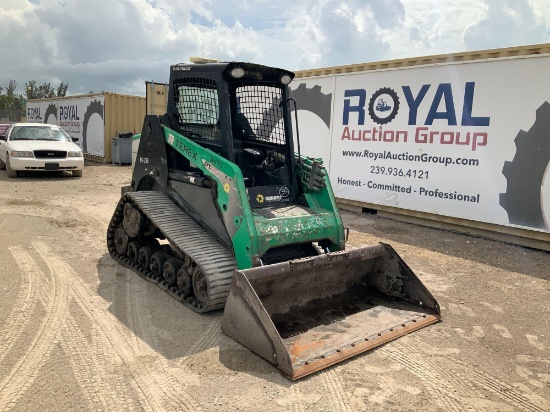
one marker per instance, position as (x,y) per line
(197,104)
(259,105)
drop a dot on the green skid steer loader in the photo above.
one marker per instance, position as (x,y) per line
(222,212)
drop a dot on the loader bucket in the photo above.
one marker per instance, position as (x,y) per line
(307,314)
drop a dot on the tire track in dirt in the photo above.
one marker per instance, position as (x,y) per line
(507,392)
(457,380)
(108,359)
(29,270)
(116,341)
(83,360)
(438,387)
(334,394)
(111,270)
(209,338)
(124,338)
(297,400)
(143,327)
(23,374)
(294,399)
(25,301)
(143,367)
(139,316)
(335,391)
(88,372)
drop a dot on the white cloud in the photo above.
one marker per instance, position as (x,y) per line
(506,23)
(434,27)
(114,45)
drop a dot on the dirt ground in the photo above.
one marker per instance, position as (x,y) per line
(80,332)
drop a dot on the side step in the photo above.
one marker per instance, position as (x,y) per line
(307,314)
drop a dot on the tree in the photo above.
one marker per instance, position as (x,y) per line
(11,104)
(62,89)
(10,90)
(10,100)
(45,91)
(32,91)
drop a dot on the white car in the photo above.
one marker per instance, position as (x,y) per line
(39,147)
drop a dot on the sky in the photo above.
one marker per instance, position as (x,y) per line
(117,45)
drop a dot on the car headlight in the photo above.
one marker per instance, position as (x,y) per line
(15,153)
(74,154)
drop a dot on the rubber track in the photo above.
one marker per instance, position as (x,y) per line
(216,262)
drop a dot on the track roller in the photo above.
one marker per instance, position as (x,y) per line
(133,251)
(170,270)
(156,265)
(144,257)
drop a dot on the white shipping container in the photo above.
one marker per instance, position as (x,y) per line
(465,136)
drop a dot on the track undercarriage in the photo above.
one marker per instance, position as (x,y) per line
(187,262)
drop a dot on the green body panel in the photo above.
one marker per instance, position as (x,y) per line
(231,194)
(286,230)
(253,232)
(298,224)
(324,200)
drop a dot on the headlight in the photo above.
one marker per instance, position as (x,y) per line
(237,72)
(285,79)
(15,153)
(74,154)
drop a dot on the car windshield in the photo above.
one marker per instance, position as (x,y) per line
(39,133)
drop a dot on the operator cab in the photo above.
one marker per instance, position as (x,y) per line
(240,111)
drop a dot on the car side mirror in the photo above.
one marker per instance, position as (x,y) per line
(74,139)
(2,137)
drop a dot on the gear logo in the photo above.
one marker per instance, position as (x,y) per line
(313,100)
(383,105)
(309,99)
(260,198)
(95,107)
(525,175)
(51,111)
(226,187)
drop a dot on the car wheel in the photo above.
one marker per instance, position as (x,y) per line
(77,173)
(2,165)
(11,172)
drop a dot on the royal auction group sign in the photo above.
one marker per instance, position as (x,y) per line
(469,140)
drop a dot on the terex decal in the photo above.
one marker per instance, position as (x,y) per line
(383,107)
(182,147)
